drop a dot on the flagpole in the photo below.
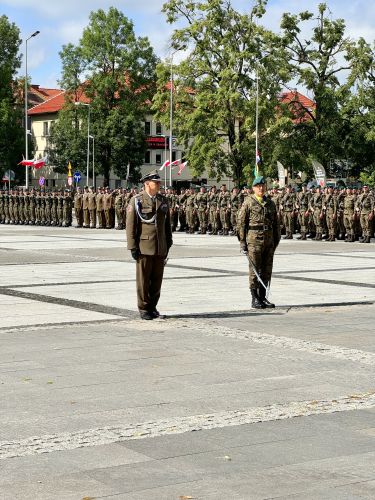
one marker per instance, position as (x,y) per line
(256,120)
(165,159)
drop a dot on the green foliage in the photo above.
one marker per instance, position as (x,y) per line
(11,130)
(116,71)
(215,86)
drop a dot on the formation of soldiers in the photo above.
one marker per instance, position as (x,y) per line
(36,207)
(346,214)
(328,213)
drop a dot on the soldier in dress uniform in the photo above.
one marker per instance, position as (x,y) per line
(78,206)
(149,238)
(100,208)
(92,207)
(85,206)
(119,201)
(259,236)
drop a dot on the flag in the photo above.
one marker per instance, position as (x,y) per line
(165,164)
(175,163)
(182,166)
(40,163)
(258,162)
(26,163)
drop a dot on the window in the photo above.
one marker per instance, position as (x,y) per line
(148,128)
(173,155)
(117,183)
(158,158)
(45,129)
(158,129)
(148,157)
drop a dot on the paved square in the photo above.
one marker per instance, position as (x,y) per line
(216,402)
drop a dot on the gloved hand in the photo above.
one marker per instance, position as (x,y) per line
(243,248)
(135,253)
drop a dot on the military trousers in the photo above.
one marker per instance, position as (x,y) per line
(349,223)
(79,216)
(149,277)
(303,220)
(225,218)
(182,219)
(366,224)
(319,221)
(86,217)
(214,220)
(260,249)
(101,218)
(331,222)
(92,212)
(190,218)
(233,219)
(289,222)
(119,217)
(202,216)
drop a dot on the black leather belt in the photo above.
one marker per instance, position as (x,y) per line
(265,227)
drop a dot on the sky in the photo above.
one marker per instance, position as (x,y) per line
(62,21)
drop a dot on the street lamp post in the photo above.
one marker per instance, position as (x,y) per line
(171,118)
(93,160)
(79,103)
(26,109)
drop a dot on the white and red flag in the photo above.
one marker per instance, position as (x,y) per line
(175,163)
(40,163)
(182,166)
(165,164)
(34,163)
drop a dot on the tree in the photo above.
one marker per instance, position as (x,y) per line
(11,130)
(318,62)
(215,86)
(115,71)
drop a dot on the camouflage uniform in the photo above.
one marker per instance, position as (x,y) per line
(190,212)
(316,207)
(259,235)
(365,207)
(330,207)
(201,204)
(302,205)
(349,203)
(224,209)
(287,204)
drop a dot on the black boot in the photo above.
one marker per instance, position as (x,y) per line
(256,303)
(262,297)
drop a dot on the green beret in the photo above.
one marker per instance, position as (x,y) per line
(258,180)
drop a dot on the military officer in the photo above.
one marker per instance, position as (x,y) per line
(259,236)
(100,208)
(149,238)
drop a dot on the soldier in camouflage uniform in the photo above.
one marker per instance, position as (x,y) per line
(316,208)
(67,209)
(181,209)
(349,202)
(259,235)
(48,207)
(2,212)
(119,201)
(213,207)
(365,207)
(302,206)
(287,205)
(224,209)
(32,206)
(236,200)
(6,207)
(330,209)
(201,205)
(190,211)
(21,199)
(340,214)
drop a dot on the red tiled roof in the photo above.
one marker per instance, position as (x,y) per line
(300,105)
(54,104)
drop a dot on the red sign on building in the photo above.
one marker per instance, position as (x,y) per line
(157,142)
